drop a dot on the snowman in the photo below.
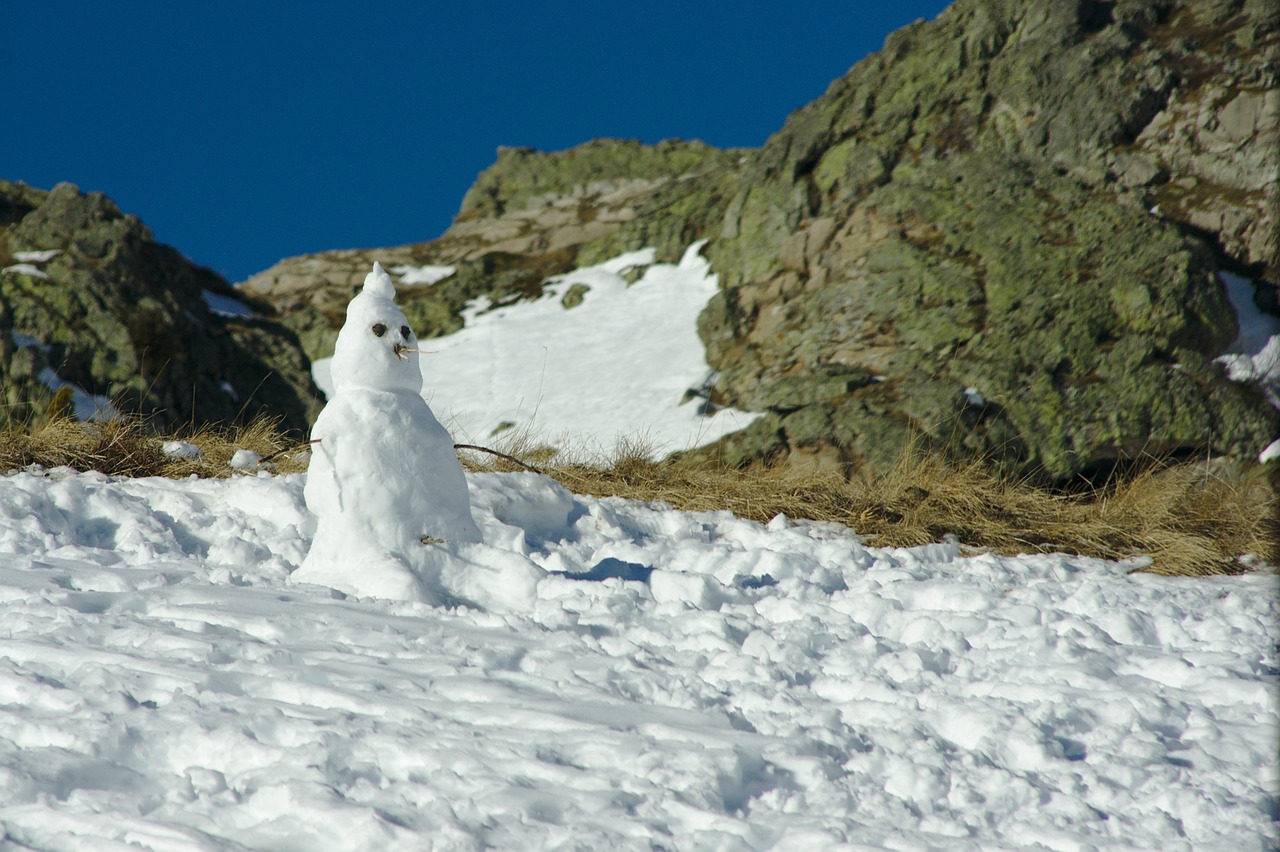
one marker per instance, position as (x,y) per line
(383,473)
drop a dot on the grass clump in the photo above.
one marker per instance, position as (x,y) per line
(125,446)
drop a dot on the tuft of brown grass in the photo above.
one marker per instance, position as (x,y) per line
(114,447)
(1186,518)
(125,446)
(263,435)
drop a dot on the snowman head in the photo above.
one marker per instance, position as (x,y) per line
(376,348)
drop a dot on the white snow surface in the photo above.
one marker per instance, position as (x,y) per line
(88,407)
(628,354)
(26,269)
(184,450)
(42,256)
(718,685)
(1272,451)
(21,340)
(244,460)
(1254,356)
(421,276)
(225,305)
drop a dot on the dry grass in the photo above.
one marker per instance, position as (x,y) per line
(1187,518)
(127,447)
(284,453)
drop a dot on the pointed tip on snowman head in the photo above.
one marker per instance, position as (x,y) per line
(378,283)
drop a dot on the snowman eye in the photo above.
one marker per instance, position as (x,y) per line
(379,329)
(405,332)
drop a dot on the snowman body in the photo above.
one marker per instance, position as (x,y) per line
(383,473)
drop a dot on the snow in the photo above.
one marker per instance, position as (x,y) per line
(597,673)
(1254,356)
(43,256)
(25,269)
(419,276)
(1272,451)
(164,684)
(21,340)
(88,407)
(620,364)
(225,306)
(185,450)
(245,460)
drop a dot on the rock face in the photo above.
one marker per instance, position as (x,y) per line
(529,216)
(1000,234)
(1028,200)
(106,307)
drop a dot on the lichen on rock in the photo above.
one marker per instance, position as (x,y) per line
(971,207)
(125,317)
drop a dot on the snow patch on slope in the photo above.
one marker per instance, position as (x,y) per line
(1254,356)
(625,362)
(421,276)
(89,407)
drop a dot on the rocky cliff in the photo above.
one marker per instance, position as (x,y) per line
(1000,234)
(1024,199)
(88,296)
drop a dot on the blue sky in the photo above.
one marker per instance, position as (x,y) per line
(246,132)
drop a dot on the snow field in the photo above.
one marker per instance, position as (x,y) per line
(164,684)
(628,354)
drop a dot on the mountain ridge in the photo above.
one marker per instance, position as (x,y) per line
(1016,202)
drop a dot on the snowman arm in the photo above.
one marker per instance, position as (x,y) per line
(330,447)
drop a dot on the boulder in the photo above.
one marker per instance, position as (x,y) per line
(88,295)
(1020,202)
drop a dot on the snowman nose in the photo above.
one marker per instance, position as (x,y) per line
(400,349)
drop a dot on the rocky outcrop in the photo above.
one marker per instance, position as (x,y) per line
(998,235)
(530,216)
(1001,234)
(87,294)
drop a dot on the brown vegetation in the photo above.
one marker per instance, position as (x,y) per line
(127,447)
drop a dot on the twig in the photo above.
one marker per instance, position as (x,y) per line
(511,459)
(266,459)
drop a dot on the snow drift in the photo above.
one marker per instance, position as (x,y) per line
(719,684)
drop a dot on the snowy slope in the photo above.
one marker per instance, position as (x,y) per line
(163,685)
(620,364)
